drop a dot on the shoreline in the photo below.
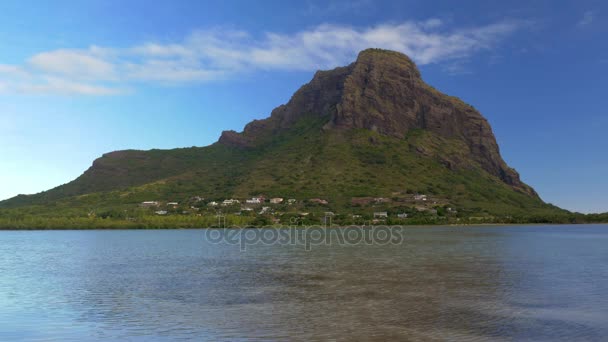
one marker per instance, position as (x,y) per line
(472,225)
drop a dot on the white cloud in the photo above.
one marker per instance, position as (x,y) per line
(61,86)
(219,54)
(20,80)
(587,19)
(169,71)
(8,69)
(73,64)
(163,51)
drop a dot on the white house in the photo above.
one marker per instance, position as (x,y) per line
(254,200)
(230,202)
(149,204)
(276,200)
(420,197)
(212,204)
(402,215)
(161,212)
(381,214)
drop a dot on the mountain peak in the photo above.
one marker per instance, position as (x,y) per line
(381,58)
(383,91)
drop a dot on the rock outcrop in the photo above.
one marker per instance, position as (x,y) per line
(384,92)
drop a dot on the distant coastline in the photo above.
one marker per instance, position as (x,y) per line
(238,223)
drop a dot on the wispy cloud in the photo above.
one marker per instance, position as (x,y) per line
(587,19)
(59,86)
(221,54)
(457,67)
(73,64)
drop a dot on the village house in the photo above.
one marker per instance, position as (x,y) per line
(161,212)
(420,197)
(276,200)
(318,201)
(230,202)
(402,215)
(381,214)
(291,201)
(254,200)
(172,204)
(264,210)
(246,209)
(212,204)
(150,204)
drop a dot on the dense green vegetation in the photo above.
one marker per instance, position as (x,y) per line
(302,163)
(139,218)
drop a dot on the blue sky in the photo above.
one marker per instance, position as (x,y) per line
(81,78)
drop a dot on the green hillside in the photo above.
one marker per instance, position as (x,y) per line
(302,163)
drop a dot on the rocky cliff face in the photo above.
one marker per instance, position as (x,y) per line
(319,97)
(383,91)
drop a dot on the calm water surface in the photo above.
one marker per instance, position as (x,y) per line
(543,283)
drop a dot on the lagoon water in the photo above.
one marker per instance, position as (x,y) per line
(542,283)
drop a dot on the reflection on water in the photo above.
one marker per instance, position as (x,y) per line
(485,283)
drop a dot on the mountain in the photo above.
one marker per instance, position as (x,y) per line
(372,129)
